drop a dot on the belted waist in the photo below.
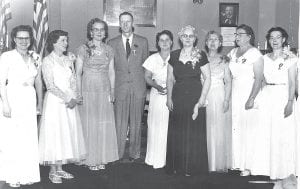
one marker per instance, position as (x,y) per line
(275,84)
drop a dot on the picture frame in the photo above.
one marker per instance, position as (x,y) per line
(228,14)
(144,12)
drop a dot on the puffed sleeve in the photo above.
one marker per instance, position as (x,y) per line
(47,70)
(254,54)
(203,60)
(149,63)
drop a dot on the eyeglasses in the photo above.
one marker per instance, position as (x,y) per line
(98,30)
(239,34)
(187,36)
(23,38)
(275,38)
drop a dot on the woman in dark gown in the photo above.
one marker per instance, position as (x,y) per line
(186,148)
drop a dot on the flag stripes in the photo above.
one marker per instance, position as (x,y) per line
(5,15)
(40,25)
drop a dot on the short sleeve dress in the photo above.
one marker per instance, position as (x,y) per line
(186,146)
(158,114)
(97,115)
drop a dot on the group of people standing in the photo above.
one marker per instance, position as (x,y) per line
(237,111)
(207,112)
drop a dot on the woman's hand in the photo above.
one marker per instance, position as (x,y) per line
(202,103)
(225,106)
(72,103)
(6,110)
(79,100)
(162,90)
(249,104)
(195,111)
(288,110)
(112,96)
(170,104)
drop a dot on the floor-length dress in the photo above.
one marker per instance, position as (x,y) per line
(158,113)
(281,132)
(61,137)
(20,158)
(97,114)
(244,122)
(218,123)
(297,116)
(186,146)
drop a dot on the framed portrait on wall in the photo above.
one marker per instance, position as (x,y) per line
(144,11)
(228,14)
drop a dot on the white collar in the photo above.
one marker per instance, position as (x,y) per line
(125,38)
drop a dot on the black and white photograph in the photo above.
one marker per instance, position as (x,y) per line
(228,14)
(149,94)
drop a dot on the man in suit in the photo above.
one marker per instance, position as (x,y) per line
(130,51)
(228,15)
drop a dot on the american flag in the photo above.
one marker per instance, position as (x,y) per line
(40,25)
(5,15)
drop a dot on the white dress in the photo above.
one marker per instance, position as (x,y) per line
(218,123)
(61,137)
(158,114)
(279,139)
(244,122)
(297,115)
(19,135)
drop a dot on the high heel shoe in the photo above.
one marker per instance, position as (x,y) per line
(14,185)
(245,173)
(101,167)
(94,168)
(64,174)
(54,178)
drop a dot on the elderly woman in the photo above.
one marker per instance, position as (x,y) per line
(61,139)
(278,123)
(186,100)
(96,84)
(158,114)
(246,66)
(19,75)
(218,116)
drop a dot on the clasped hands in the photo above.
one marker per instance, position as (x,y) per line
(73,102)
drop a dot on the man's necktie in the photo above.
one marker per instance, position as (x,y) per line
(127,48)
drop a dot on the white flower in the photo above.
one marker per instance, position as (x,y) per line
(196,56)
(71,56)
(37,60)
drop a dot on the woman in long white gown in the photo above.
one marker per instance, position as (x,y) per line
(218,112)
(297,115)
(61,137)
(19,73)
(246,66)
(276,149)
(158,113)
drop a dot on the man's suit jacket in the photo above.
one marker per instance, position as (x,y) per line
(130,72)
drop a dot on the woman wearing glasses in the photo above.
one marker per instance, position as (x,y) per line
(275,150)
(246,67)
(96,83)
(20,84)
(186,100)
